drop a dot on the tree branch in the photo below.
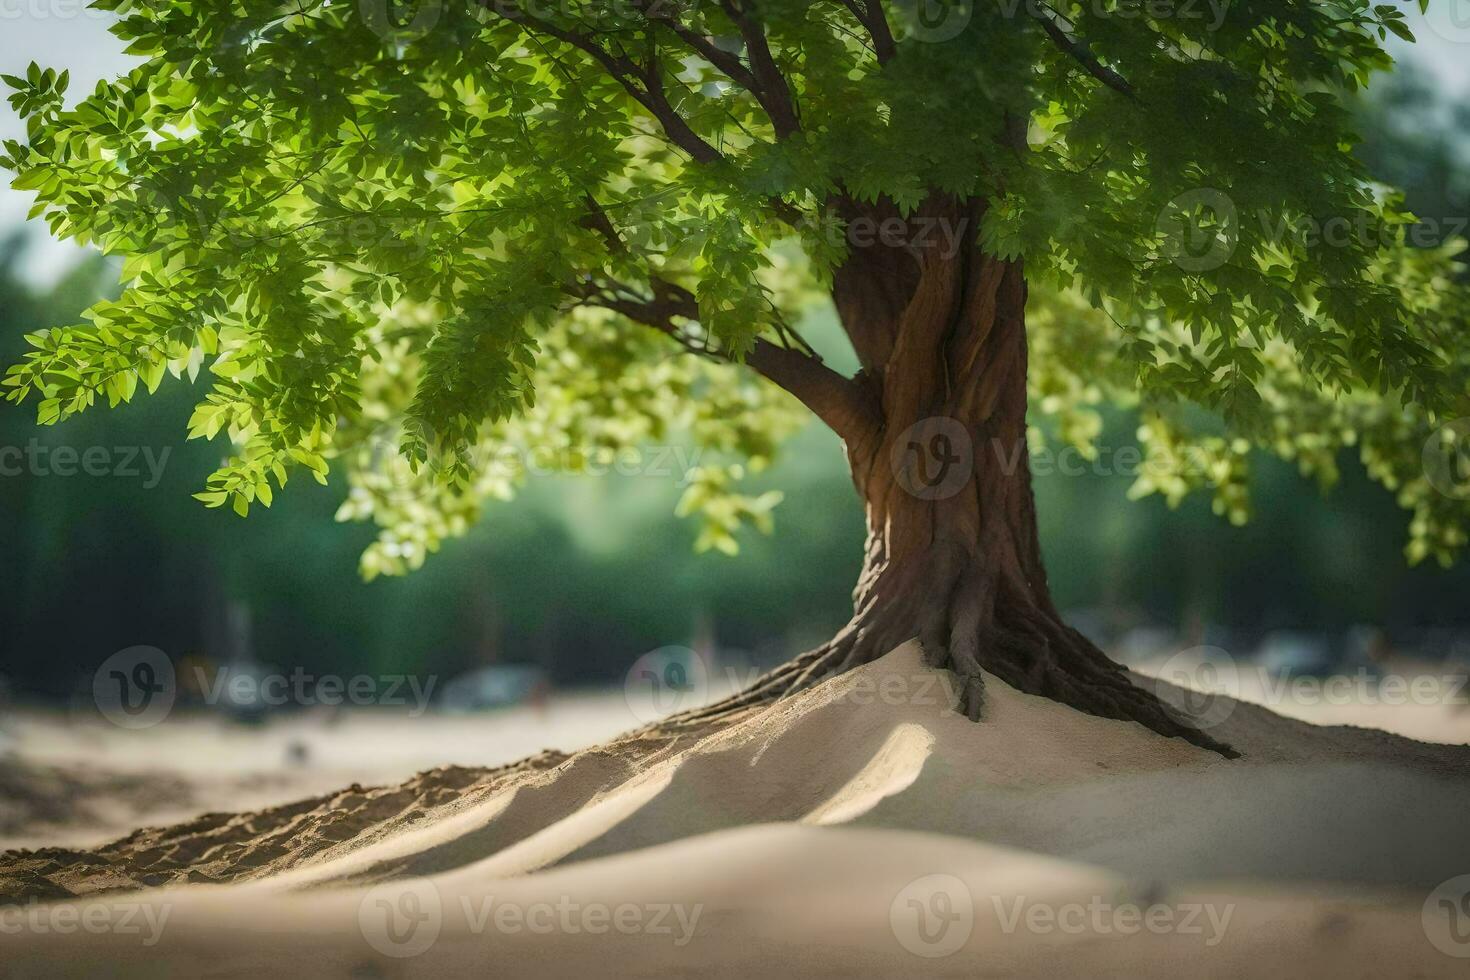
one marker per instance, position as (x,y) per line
(726,61)
(649,94)
(772,90)
(596,219)
(1084,56)
(645,84)
(842,403)
(870,14)
(767,85)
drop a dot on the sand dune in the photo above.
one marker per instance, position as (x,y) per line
(805,840)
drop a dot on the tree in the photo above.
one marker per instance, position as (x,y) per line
(406,241)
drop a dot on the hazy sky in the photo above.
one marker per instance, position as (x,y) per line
(63,34)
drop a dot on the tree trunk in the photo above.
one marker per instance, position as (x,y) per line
(939,456)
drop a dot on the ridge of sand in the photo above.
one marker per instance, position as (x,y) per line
(874,757)
(878,745)
(776,900)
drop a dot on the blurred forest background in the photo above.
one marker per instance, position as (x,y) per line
(582,575)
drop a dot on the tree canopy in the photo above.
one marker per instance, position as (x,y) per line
(427,244)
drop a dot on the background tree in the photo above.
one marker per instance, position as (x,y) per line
(490,228)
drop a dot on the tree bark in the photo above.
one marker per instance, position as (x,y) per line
(938,453)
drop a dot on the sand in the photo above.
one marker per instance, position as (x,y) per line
(72,779)
(859,829)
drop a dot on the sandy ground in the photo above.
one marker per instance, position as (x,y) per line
(859,829)
(74,780)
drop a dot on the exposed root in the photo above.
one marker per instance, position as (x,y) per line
(793,676)
(939,455)
(966,631)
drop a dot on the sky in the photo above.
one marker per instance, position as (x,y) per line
(64,34)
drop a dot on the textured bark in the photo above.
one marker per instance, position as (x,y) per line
(937,447)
